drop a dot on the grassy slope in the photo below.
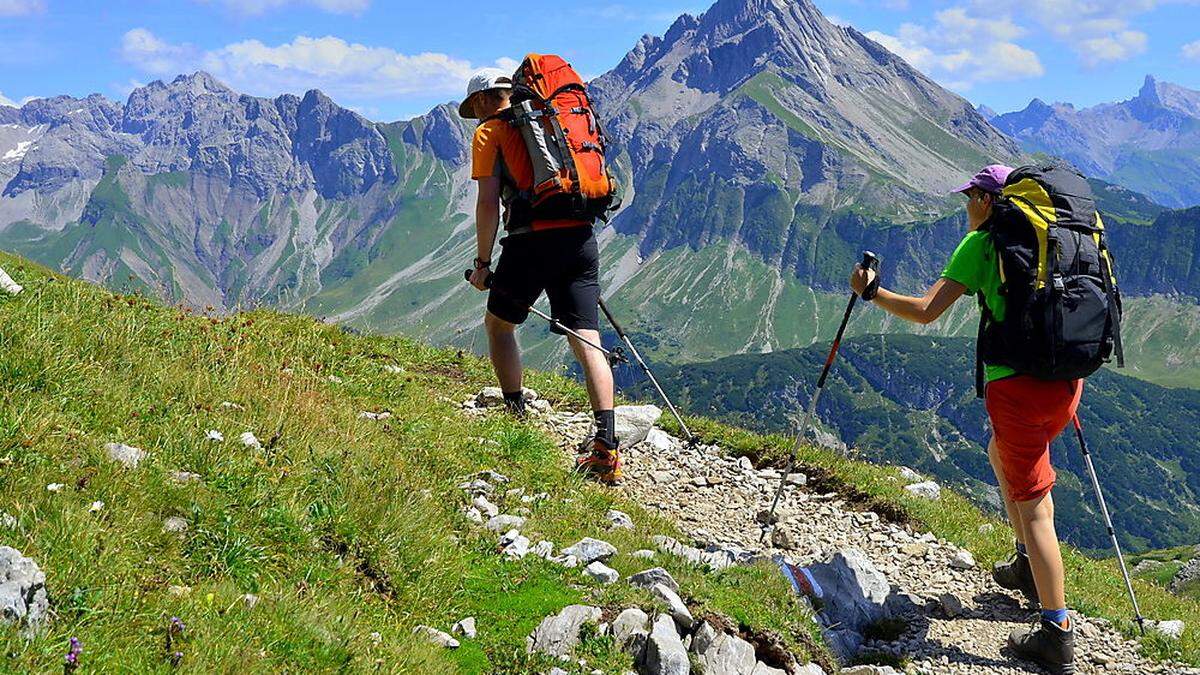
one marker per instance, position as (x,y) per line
(345,527)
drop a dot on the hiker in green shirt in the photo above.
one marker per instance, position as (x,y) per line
(1025,413)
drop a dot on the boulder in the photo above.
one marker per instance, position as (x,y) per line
(558,635)
(8,285)
(589,550)
(658,441)
(654,575)
(634,422)
(810,669)
(437,637)
(465,627)
(963,560)
(852,590)
(513,545)
(703,638)
(761,668)
(728,654)
(843,642)
(910,476)
(949,606)
(485,506)
(665,654)
(601,572)
(925,490)
(619,519)
(23,598)
(125,455)
(1172,629)
(675,606)
(630,630)
(504,522)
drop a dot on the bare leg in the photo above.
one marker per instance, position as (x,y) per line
(506,355)
(1014,515)
(1045,557)
(596,370)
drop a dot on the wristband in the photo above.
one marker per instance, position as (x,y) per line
(482,264)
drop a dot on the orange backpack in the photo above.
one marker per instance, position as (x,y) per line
(551,109)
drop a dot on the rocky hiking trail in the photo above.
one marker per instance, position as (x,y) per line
(946,614)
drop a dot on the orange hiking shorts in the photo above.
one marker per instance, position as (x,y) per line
(1027,414)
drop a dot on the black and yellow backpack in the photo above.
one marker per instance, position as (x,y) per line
(1063,308)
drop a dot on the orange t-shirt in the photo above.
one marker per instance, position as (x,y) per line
(498,150)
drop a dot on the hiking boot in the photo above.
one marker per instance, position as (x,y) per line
(602,463)
(1049,645)
(515,407)
(1017,575)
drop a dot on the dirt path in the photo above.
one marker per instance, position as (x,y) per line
(714,499)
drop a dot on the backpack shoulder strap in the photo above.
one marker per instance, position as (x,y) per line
(1114,312)
(984,320)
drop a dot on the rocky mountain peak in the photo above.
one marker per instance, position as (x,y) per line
(200,83)
(1149,90)
(1171,96)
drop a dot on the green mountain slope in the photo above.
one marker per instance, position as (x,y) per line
(910,400)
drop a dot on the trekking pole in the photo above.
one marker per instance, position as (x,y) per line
(1112,533)
(871,262)
(646,369)
(614,355)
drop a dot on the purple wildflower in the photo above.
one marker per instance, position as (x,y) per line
(71,660)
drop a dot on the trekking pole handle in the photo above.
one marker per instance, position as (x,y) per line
(487,282)
(870,261)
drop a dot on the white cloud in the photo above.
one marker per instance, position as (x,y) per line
(145,50)
(257,7)
(331,64)
(961,50)
(4,100)
(1098,31)
(973,42)
(21,7)
(1191,50)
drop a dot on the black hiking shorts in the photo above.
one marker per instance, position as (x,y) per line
(565,263)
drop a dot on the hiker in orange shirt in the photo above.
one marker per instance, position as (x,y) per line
(558,256)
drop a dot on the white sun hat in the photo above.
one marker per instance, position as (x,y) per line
(484,80)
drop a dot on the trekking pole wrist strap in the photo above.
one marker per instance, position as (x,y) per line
(482,264)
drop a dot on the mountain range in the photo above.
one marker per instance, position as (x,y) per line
(760,146)
(1149,143)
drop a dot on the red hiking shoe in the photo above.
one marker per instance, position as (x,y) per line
(602,463)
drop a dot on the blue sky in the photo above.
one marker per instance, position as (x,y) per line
(395,59)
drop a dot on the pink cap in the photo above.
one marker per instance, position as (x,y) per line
(990,179)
